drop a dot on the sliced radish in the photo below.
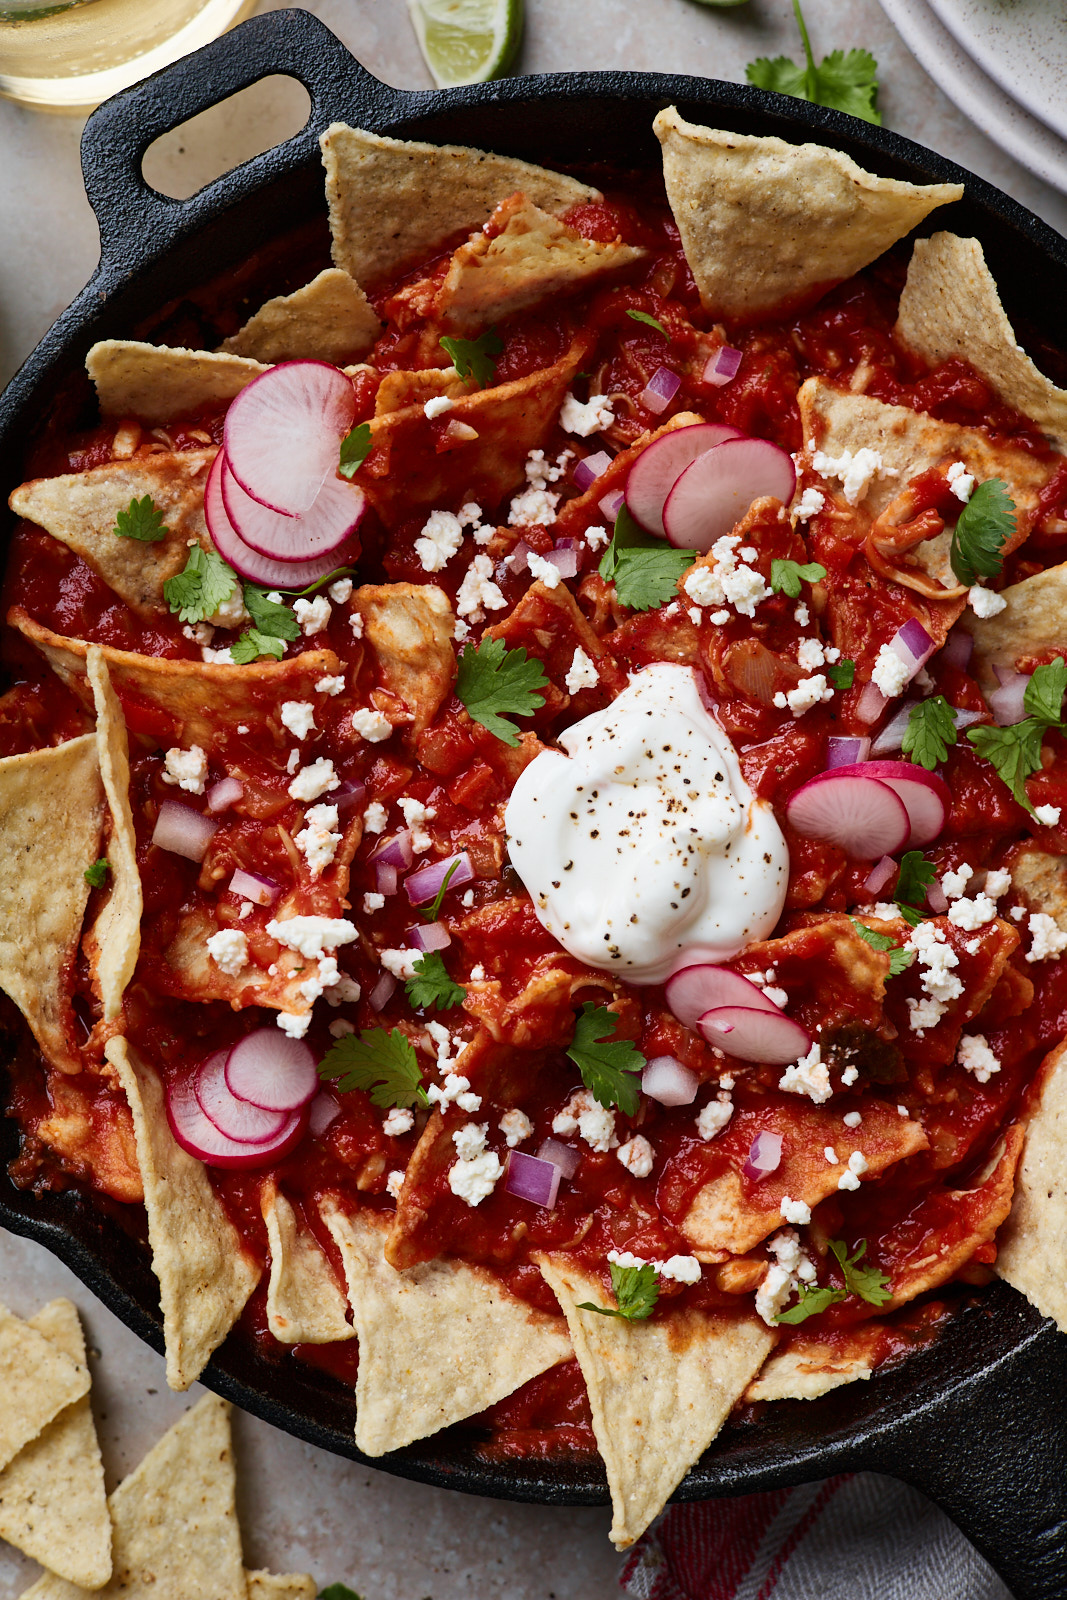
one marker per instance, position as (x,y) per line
(751,1035)
(657,469)
(235,1118)
(331,518)
(284,430)
(242,558)
(713,494)
(693,990)
(272,1071)
(925,795)
(864,816)
(197,1134)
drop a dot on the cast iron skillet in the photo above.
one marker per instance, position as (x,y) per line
(975,1421)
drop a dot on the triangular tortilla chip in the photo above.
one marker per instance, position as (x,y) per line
(951,307)
(37,1380)
(437,1343)
(175,1519)
(51,822)
(329,319)
(52,1501)
(158,383)
(276,1586)
(659,1391)
(79,509)
(305,1304)
(117,931)
(198,1256)
(810,1367)
(392,200)
(409,626)
(1030,1244)
(766,224)
(1031,623)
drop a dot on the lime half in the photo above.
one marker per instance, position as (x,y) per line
(467,41)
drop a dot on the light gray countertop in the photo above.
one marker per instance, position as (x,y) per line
(301,1508)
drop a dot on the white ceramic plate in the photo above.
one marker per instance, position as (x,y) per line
(1021,45)
(1033,144)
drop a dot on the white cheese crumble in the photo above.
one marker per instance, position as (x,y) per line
(416,814)
(972,914)
(985,602)
(313,615)
(852,1119)
(355,622)
(533,508)
(312,782)
(810,1075)
(637,1156)
(373,902)
(587,1117)
(186,768)
(975,1056)
(808,692)
(726,583)
(341,591)
(588,418)
(311,936)
(317,839)
(375,818)
(955,883)
(394,1183)
(596,538)
(1046,939)
(339,1028)
(371,725)
(997,882)
(441,537)
(218,658)
(401,963)
(682,1269)
(455,1088)
(960,481)
(925,1014)
(543,570)
(228,949)
(293,1023)
(400,1120)
(478,593)
(714,1116)
(854,471)
(581,674)
(330,685)
(795,1211)
(810,654)
(1048,816)
(937,958)
(299,717)
(810,503)
(891,675)
(294,760)
(477,1171)
(437,406)
(830,1154)
(516,1126)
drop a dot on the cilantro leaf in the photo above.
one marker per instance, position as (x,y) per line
(813,1299)
(786,576)
(866,1282)
(985,524)
(1015,752)
(916,873)
(355,448)
(96,875)
(842,82)
(636,1293)
(609,1067)
(380,1061)
(432,986)
(473,359)
(142,520)
(205,583)
(271,618)
(493,679)
(252,644)
(1043,697)
(931,730)
(643,316)
(899,958)
(842,674)
(645,570)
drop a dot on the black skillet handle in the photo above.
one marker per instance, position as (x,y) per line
(133,216)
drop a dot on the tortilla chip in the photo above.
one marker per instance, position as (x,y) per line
(399,389)
(79,509)
(409,627)
(766,224)
(1033,621)
(51,823)
(37,1379)
(305,1304)
(1030,1243)
(392,200)
(951,307)
(158,383)
(659,1391)
(437,1343)
(1041,879)
(198,1256)
(809,1366)
(117,931)
(275,1586)
(329,319)
(52,1501)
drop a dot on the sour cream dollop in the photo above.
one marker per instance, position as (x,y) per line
(642,847)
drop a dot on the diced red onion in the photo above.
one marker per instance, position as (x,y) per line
(1002,674)
(395,851)
(957,648)
(1006,703)
(590,469)
(764,1156)
(880,876)
(912,644)
(892,735)
(519,559)
(382,992)
(722,366)
(611,503)
(665,1079)
(532,1179)
(224,794)
(564,561)
(936,898)
(846,752)
(324,1112)
(660,390)
(966,719)
(387,877)
(349,797)
(253,886)
(871,703)
(183,831)
(428,936)
(563,1156)
(424,883)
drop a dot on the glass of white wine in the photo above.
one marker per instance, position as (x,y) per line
(68,55)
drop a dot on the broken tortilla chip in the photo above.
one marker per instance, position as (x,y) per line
(279,1586)
(659,1390)
(1030,1253)
(810,1366)
(1041,880)
(1031,623)
(410,626)
(38,1380)
(158,383)
(305,1303)
(52,1501)
(51,824)
(766,224)
(205,1277)
(950,307)
(437,1342)
(329,319)
(392,200)
(117,931)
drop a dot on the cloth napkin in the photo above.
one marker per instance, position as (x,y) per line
(854,1537)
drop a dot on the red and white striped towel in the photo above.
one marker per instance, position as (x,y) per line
(859,1537)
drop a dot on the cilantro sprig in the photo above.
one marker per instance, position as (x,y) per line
(431,985)
(493,680)
(649,321)
(475,359)
(141,520)
(985,525)
(610,1067)
(96,875)
(814,1297)
(252,644)
(1015,751)
(636,1292)
(645,570)
(205,583)
(381,1061)
(867,1283)
(930,732)
(270,617)
(899,958)
(844,82)
(355,448)
(786,576)
(916,874)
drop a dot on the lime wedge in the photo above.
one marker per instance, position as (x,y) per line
(467,41)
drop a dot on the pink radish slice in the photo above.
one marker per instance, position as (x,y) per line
(925,795)
(235,1118)
(248,562)
(750,1035)
(693,990)
(197,1134)
(272,1071)
(865,817)
(657,469)
(713,494)
(284,430)
(332,517)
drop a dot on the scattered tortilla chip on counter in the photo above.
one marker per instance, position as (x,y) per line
(305,1303)
(205,1277)
(951,307)
(329,319)
(810,1367)
(409,626)
(52,1501)
(1030,1244)
(766,223)
(659,1391)
(1031,622)
(158,383)
(437,1342)
(391,200)
(38,1380)
(117,931)
(276,1586)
